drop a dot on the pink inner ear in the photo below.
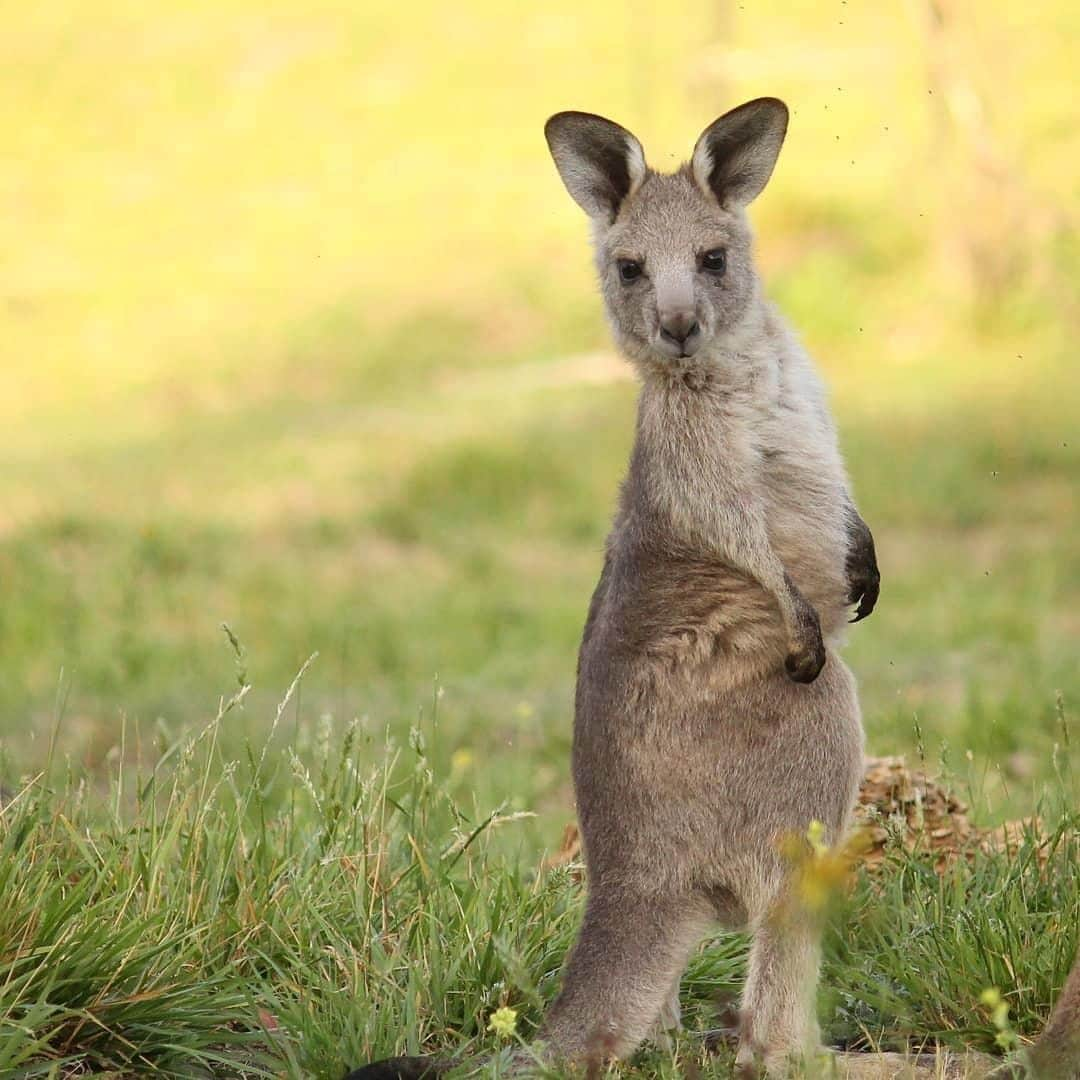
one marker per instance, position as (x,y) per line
(749,139)
(600,162)
(635,161)
(701,166)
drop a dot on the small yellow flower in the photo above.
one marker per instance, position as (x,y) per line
(815,835)
(999,1014)
(460,760)
(503,1021)
(819,871)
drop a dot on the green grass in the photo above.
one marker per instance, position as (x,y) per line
(303,907)
(299,335)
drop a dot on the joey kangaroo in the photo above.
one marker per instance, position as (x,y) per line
(713,716)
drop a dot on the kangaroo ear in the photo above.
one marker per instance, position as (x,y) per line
(735,155)
(600,162)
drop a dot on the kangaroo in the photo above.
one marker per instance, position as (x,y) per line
(1055,1055)
(713,716)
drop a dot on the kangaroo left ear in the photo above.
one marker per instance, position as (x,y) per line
(735,155)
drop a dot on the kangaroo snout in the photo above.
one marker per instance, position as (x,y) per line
(681,329)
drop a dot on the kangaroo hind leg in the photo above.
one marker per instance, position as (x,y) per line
(623,973)
(777,1020)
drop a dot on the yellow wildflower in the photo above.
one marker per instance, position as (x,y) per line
(460,760)
(999,1015)
(503,1021)
(815,835)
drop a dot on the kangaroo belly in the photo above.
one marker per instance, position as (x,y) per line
(675,777)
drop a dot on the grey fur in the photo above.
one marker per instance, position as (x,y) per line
(1056,1053)
(713,714)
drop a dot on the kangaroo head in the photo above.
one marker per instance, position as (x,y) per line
(673,250)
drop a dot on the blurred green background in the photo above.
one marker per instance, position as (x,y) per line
(299,334)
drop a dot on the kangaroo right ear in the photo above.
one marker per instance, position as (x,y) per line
(600,162)
(735,155)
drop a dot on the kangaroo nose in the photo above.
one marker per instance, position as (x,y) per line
(678,328)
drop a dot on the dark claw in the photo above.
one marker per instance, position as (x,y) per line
(866,594)
(400,1068)
(862,570)
(717,1040)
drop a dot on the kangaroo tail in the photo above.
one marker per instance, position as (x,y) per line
(402,1068)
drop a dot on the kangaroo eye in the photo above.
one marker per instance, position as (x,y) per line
(629,270)
(715,261)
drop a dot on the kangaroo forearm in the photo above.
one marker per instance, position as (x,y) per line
(745,545)
(738,538)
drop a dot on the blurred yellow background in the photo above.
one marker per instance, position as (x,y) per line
(299,332)
(186,181)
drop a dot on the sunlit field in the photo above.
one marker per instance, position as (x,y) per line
(300,336)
